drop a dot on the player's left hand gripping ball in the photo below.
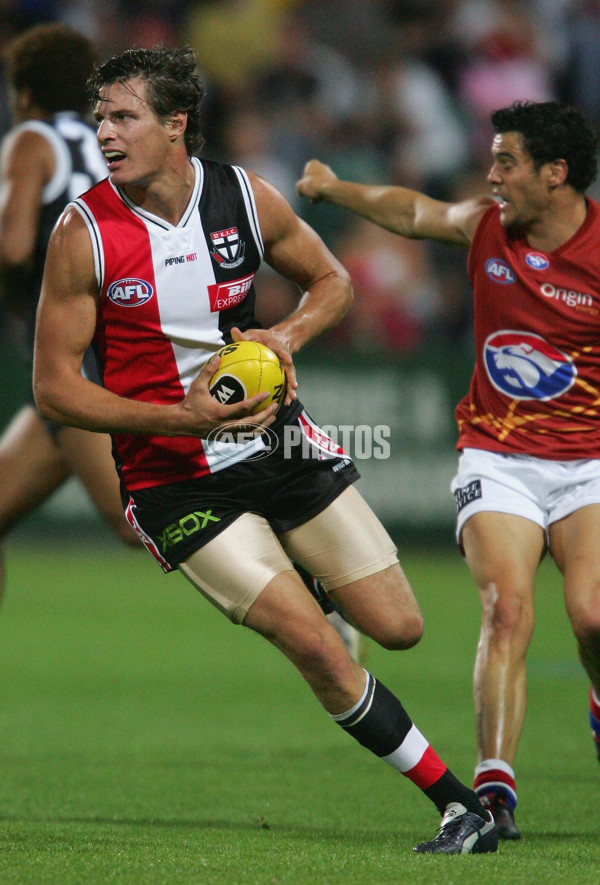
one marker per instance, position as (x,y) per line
(248,368)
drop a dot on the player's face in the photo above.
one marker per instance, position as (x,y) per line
(520,188)
(134,141)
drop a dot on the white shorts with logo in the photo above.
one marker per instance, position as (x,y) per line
(538,489)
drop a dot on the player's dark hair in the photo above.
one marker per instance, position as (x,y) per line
(173,84)
(553,131)
(54,61)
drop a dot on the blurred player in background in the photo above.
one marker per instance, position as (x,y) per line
(156,265)
(529,428)
(48,158)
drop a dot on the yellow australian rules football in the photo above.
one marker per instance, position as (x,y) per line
(248,368)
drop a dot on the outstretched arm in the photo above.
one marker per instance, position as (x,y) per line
(398,209)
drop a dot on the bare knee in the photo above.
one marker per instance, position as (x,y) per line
(413,631)
(586,627)
(507,614)
(313,647)
(321,657)
(402,635)
(383,607)
(393,630)
(290,619)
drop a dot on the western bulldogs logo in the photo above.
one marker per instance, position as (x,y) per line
(537,261)
(228,250)
(130,292)
(525,366)
(499,271)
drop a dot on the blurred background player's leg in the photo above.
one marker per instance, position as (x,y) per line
(90,459)
(32,467)
(34,463)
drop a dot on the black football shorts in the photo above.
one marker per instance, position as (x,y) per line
(302,473)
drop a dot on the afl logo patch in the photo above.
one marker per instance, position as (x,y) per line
(499,271)
(525,366)
(130,292)
(537,261)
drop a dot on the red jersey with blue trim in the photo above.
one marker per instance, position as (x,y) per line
(535,389)
(169,296)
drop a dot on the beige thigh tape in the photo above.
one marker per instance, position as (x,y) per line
(233,568)
(341,544)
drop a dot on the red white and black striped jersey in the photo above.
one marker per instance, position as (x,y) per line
(536,385)
(169,296)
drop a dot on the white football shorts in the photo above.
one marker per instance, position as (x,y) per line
(538,489)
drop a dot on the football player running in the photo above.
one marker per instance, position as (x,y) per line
(230,521)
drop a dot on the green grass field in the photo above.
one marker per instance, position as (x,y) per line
(143,739)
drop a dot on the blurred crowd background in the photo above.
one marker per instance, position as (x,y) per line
(395,91)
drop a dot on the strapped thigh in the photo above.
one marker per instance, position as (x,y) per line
(343,543)
(234,567)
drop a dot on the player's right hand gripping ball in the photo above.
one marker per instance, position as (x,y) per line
(248,368)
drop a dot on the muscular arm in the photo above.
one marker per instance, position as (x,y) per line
(65,325)
(26,166)
(398,209)
(294,250)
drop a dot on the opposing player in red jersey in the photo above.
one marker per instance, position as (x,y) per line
(529,428)
(156,266)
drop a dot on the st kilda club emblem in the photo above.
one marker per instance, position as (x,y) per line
(228,250)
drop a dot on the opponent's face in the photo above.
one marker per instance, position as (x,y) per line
(134,141)
(522,190)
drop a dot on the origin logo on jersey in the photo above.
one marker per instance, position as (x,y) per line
(525,366)
(499,271)
(130,292)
